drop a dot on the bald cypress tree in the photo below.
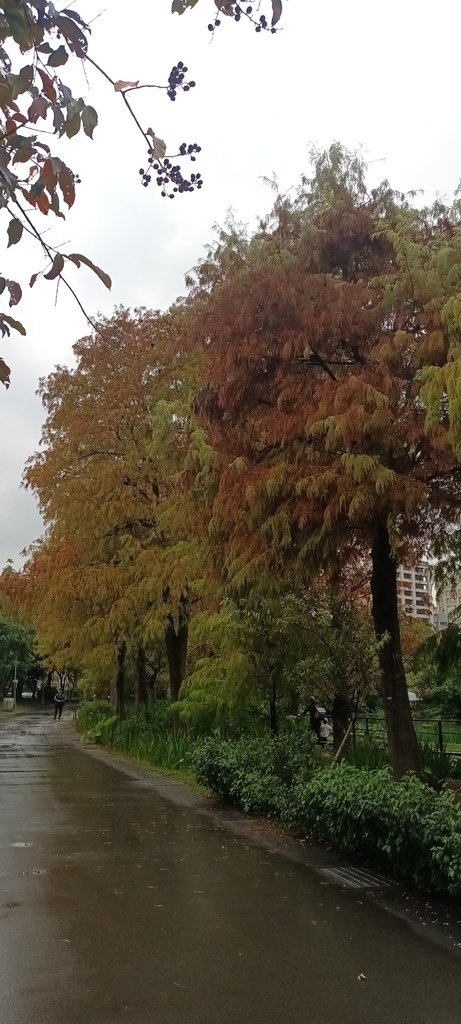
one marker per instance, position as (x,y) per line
(319,331)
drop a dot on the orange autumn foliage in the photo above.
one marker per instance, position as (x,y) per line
(316,330)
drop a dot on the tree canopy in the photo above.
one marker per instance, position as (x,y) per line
(322,331)
(17,650)
(118,567)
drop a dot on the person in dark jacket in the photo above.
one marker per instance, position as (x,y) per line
(59,701)
(316,717)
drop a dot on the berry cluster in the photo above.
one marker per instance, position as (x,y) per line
(189,150)
(261,24)
(169,176)
(176,80)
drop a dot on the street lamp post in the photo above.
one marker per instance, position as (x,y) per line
(15,680)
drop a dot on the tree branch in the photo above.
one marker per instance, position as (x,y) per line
(48,250)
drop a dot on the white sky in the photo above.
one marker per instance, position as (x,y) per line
(383,76)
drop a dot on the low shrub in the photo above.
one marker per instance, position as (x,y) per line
(403,826)
(258,773)
(90,714)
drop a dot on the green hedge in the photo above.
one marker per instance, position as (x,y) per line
(256,773)
(405,828)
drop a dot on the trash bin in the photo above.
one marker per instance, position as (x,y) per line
(8,703)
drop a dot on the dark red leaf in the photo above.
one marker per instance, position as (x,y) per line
(15,291)
(48,86)
(276,11)
(57,267)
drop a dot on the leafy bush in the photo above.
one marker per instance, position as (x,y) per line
(90,714)
(438,765)
(405,827)
(256,773)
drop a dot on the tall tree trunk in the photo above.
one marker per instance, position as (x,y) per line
(293,702)
(140,683)
(341,712)
(401,735)
(117,694)
(176,651)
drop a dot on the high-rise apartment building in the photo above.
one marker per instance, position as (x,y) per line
(418,599)
(415,591)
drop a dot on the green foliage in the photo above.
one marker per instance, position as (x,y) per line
(437,664)
(90,714)
(147,736)
(366,754)
(245,657)
(438,765)
(443,693)
(281,644)
(17,643)
(403,827)
(257,774)
(341,650)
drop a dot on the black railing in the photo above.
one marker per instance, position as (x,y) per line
(444,733)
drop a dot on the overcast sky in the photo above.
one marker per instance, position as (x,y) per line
(381,76)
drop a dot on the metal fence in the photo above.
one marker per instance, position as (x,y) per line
(443,733)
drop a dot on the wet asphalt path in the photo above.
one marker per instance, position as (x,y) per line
(118,904)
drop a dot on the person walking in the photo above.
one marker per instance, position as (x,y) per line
(59,701)
(325,732)
(316,716)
